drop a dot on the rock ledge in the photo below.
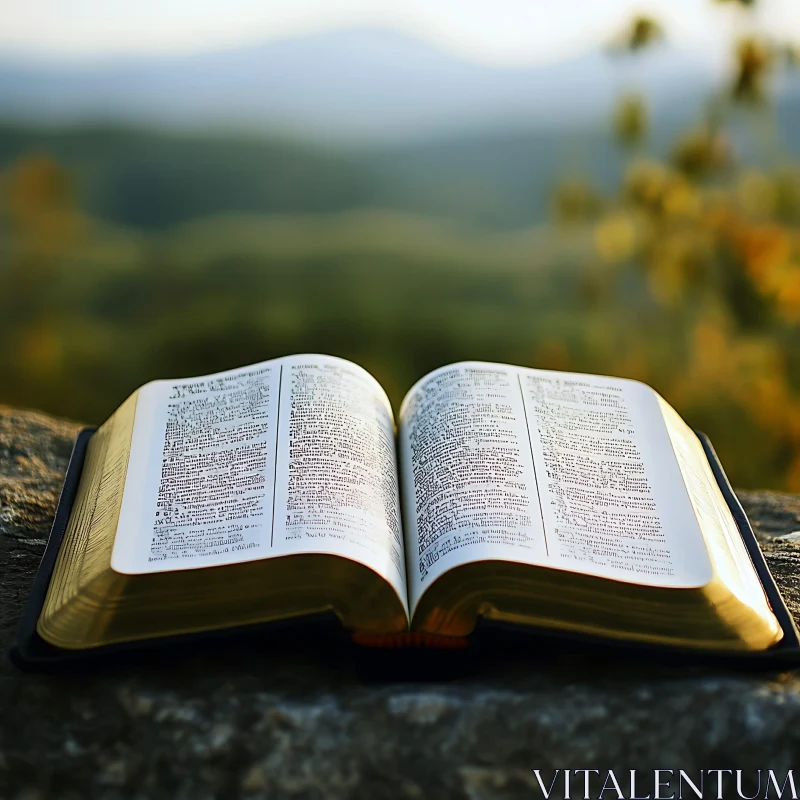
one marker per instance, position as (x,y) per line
(279,725)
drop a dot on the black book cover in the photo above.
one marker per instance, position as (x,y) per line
(31,652)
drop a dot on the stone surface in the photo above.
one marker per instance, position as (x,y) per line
(251,723)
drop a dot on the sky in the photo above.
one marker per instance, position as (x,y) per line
(501,32)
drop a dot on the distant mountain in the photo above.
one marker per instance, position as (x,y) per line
(358,84)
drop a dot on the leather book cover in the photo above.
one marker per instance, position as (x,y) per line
(489,639)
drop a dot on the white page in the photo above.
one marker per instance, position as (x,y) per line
(288,456)
(567,471)
(337,486)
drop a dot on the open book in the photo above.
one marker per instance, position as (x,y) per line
(546,499)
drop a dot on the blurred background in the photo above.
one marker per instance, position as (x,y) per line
(588,185)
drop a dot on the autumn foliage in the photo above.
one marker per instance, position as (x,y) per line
(717,241)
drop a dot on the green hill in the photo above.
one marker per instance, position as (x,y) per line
(151,179)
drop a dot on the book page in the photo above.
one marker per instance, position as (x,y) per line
(288,456)
(727,549)
(568,471)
